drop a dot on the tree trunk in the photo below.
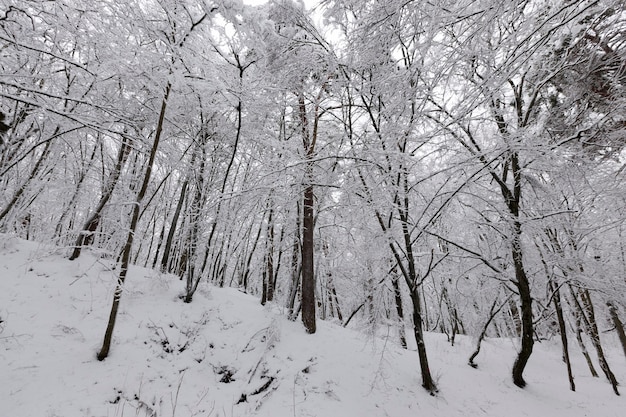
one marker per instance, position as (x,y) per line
(165,260)
(268,273)
(556,299)
(308,218)
(493,311)
(583,348)
(71,206)
(308,274)
(412,282)
(108,335)
(85,236)
(399,310)
(523,287)
(20,191)
(296,267)
(427,380)
(619,327)
(587,315)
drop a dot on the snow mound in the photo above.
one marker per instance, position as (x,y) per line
(226,355)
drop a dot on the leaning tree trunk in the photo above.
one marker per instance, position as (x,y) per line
(165,259)
(556,298)
(85,236)
(619,327)
(412,279)
(587,315)
(493,311)
(125,260)
(33,174)
(512,198)
(71,206)
(410,276)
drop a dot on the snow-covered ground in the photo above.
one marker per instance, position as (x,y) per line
(226,355)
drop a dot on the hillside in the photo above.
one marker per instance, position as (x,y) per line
(226,355)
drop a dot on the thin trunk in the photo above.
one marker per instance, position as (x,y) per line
(278,261)
(399,310)
(410,277)
(493,311)
(589,321)
(85,236)
(108,335)
(334,298)
(71,206)
(248,262)
(193,280)
(33,174)
(296,268)
(619,327)
(583,348)
(161,237)
(412,282)
(556,299)
(166,264)
(356,310)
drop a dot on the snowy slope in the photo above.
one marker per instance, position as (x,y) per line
(226,355)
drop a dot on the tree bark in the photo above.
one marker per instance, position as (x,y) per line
(587,314)
(85,236)
(619,327)
(165,259)
(493,311)
(20,191)
(556,299)
(523,286)
(399,310)
(308,273)
(108,335)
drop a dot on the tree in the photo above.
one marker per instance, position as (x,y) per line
(176,42)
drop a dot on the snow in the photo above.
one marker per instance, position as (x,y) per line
(226,355)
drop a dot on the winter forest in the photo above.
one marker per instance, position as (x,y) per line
(401,167)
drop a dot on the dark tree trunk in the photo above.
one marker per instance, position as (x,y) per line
(556,299)
(427,380)
(268,273)
(523,286)
(125,260)
(85,236)
(412,279)
(619,327)
(33,174)
(399,310)
(71,206)
(296,268)
(583,348)
(308,274)
(309,140)
(587,315)
(493,311)
(193,278)
(165,260)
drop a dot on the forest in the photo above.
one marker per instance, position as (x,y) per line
(453,167)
